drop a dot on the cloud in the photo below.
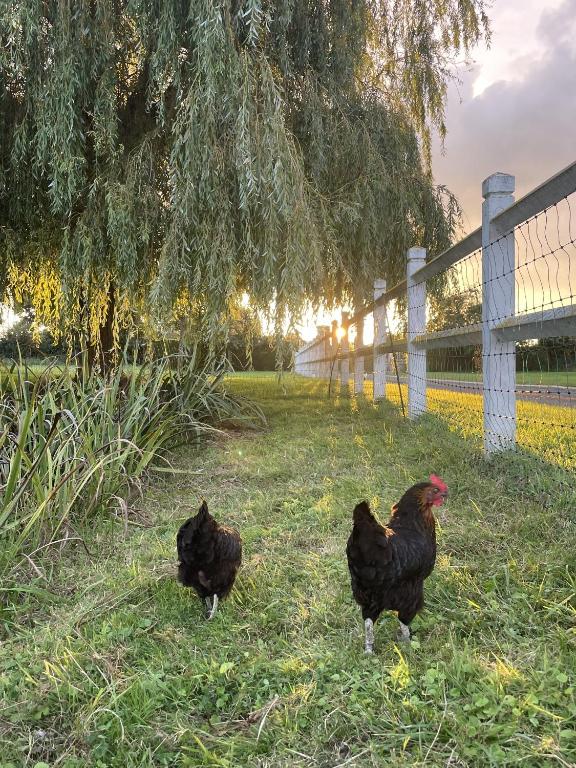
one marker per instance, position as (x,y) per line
(525,126)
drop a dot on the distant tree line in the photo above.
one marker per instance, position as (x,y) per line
(553,354)
(20,339)
(550,354)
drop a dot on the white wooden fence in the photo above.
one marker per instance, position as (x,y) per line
(500,329)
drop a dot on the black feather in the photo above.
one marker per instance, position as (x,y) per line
(388,564)
(209,554)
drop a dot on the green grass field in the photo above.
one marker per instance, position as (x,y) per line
(546,432)
(558,378)
(107,662)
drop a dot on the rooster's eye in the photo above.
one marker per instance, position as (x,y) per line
(435,490)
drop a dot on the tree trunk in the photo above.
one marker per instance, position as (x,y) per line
(102,353)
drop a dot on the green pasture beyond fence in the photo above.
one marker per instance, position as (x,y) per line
(545,432)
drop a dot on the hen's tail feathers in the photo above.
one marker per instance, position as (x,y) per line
(362,512)
(200,517)
(191,527)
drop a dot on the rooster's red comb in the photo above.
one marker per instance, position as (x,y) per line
(437,481)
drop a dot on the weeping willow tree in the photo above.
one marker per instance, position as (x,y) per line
(157,157)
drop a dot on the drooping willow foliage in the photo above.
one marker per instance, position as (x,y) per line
(159,156)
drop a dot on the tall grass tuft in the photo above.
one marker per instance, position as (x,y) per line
(71,445)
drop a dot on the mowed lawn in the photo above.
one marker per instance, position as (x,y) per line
(546,432)
(112,664)
(560,378)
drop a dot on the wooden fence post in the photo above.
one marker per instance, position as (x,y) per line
(498,303)
(345,349)
(323,351)
(416,326)
(334,363)
(359,358)
(299,361)
(380,337)
(304,367)
(309,355)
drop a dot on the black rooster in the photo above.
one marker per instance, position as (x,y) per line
(388,564)
(209,555)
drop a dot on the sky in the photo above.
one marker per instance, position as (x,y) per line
(512,109)
(515,108)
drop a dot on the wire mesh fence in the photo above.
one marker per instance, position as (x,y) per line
(454,373)
(546,364)
(483,335)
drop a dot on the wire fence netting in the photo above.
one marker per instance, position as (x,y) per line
(538,284)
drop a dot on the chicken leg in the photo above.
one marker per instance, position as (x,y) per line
(214,607)
(369,634)
(403,633)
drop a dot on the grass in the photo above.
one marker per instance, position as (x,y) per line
(557,378)
(72,448)
(544,432)
(553,378)
(121,669)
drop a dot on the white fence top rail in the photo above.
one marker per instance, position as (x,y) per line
(551,191)
(546,194)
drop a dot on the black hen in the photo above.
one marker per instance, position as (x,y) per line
(388,564)
(209,555)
